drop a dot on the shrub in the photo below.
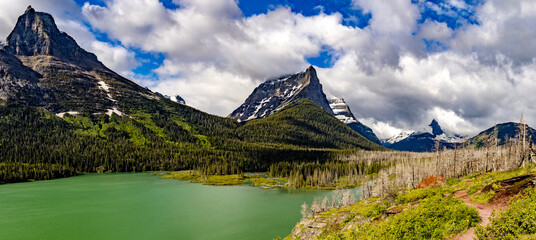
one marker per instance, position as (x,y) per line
(422,193)
(433,218)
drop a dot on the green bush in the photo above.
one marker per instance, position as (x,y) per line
(418,194)
(453,181)
(433,218)
(519,219)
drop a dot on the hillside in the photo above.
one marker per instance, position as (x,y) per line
(304,123)
(504,132)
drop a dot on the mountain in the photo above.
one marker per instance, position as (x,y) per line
(304,123)
(62,110)
(344,114)
(275,94)
(70,78)
(423,141)
(504,132)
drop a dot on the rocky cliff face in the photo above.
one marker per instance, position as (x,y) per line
(36,34)
(62,76)
(275,94)
(18,82)
(344,114)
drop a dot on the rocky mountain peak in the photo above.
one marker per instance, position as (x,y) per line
(341,110)
(36,33)
(436,129)
(29,9)
(277,93)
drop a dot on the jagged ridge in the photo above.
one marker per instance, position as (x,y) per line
(275,94)
(344,114)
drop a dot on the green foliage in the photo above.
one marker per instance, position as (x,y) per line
(159,135)
(326,175)
(519,219)
(419,194)
(21,172)
(453,181)
(305,124)
(482,197)
(263,181)
(433,218)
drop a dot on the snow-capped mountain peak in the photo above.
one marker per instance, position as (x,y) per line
(275,94)
(423,140)
(342,111)
(397,138)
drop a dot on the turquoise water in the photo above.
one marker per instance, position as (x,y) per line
(143,206)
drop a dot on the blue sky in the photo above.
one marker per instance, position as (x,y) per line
(397,63)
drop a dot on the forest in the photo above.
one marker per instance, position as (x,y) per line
(167,141)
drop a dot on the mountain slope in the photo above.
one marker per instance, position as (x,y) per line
(304,123)
(275,94)
(504,133)
(18,82)
(344,114)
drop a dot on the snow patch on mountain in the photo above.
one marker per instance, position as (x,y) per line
(115,110)
(397,138)
(62,114)
(103,86)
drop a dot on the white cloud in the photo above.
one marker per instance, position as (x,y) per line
(433,30)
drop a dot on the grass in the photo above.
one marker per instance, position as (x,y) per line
(482,197)
(260,181)
(419,194)
(222,180)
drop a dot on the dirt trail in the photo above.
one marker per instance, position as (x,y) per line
(484,212)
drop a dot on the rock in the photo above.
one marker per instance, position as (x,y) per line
(36,33)
(342,112)
(41,66)
(275,94)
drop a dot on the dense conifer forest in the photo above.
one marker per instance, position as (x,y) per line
(178,138)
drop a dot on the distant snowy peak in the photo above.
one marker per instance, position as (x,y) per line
(275,94)
(424,140)
(397,138)
(450,139)
(436,129)
(342,111)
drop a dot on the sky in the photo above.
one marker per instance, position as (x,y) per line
(397,63)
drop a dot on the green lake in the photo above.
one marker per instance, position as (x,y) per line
(143,206)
